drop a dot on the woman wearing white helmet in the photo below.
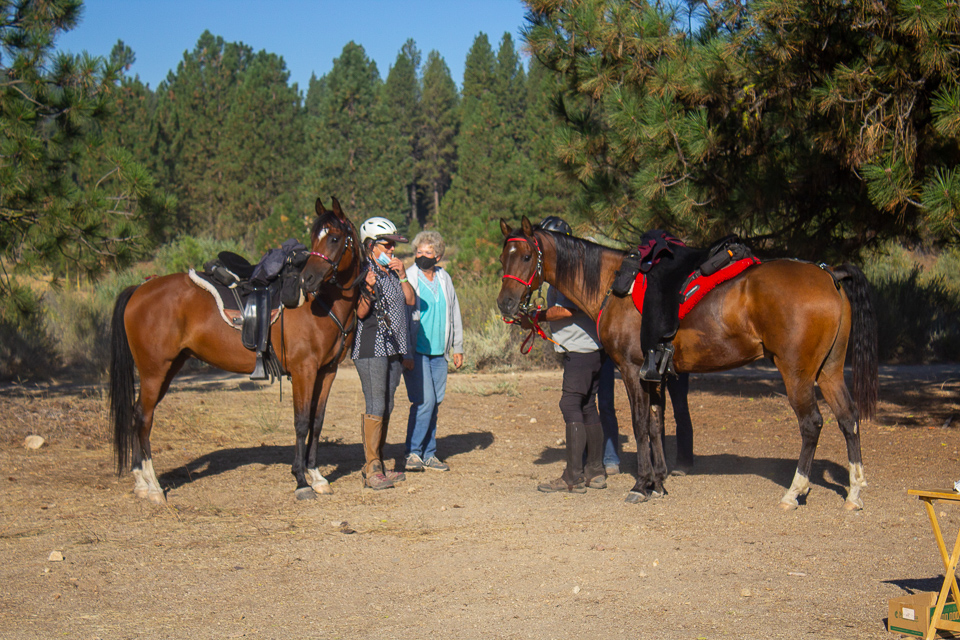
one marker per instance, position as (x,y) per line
(381,348)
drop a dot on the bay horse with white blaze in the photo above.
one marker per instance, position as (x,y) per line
(796,313)
(158,325)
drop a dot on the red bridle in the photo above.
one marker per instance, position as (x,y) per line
(539,268)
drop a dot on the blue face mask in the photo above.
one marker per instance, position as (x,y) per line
(383,259)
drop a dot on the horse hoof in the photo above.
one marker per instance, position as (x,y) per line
(853,506)
(788,506)
(323,489)
(657,494)
(635,497)
(157,497)
(305,493)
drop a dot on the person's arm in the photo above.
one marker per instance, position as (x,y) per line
(457,331)
(366,295)
(409,295)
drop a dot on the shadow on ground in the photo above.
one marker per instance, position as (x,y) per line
(346,458)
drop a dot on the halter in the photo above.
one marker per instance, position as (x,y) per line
(537,272)
(526,308)
(336,264)
(343,252)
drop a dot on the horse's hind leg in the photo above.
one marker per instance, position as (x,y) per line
(803,399)
(837,395)
(152,389)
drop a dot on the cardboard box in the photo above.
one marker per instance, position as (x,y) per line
(911,615)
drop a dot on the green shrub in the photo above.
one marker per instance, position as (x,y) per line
(188,252)
(917,308)
(490,344)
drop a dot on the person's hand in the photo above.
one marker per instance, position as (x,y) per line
(407,364)
(525,322)
(457,360)
(397,266)
(371,278)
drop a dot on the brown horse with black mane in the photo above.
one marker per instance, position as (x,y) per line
(161,323)
(796,313)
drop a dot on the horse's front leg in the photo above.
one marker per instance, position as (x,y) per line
(323,385)
(305,387)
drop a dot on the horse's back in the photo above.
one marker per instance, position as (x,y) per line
(776,308)
(169,314)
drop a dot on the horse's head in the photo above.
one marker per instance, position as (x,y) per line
(522,263)
(333,247)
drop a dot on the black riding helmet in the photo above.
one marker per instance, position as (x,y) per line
(556,223)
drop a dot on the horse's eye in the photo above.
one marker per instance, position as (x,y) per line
(527,257)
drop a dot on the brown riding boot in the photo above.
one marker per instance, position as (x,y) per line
(371,431)
(392,476)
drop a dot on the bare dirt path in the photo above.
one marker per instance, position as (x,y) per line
(476,552)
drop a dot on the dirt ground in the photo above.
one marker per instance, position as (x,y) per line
(476,552)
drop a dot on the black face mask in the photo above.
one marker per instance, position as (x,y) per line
(423,263)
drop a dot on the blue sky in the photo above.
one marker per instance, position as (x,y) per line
(308,34)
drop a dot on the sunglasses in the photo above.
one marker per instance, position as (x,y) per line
(387,244)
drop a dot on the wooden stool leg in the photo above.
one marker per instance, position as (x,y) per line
(949,578)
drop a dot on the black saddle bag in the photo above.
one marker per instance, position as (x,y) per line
(627,274)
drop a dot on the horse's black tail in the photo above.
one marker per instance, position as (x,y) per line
(865,374)
(122,384)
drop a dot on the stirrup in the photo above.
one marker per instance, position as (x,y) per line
(666,360)
(259,373)
(648,371)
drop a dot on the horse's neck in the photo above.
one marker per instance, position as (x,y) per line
(574,289)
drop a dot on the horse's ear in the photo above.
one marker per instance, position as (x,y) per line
(504,228)
(337,211)
(527,227)
(319,207)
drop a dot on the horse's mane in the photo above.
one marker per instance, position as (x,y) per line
(577,257)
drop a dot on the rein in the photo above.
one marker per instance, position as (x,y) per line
(524,311)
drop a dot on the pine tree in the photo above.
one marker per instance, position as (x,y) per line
(345,140)
(401,117)
(53,108)
(263,143)
(194,106)
(810,127)
(491,167)
(439,108)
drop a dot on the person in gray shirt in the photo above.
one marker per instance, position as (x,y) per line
(575,335)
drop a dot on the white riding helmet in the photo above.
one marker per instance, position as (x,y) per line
(380,229)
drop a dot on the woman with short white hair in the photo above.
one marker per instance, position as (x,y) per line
(436,333)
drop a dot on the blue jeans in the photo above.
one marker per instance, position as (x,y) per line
(608,414)
(426,386)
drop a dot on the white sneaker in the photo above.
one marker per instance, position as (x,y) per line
(413,463)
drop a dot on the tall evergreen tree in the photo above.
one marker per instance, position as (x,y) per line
(491,165)
(346,139)
(401,117)
(438,152)
(230,136)
(817,128)
(550,194)
(263,141)
(53,107)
